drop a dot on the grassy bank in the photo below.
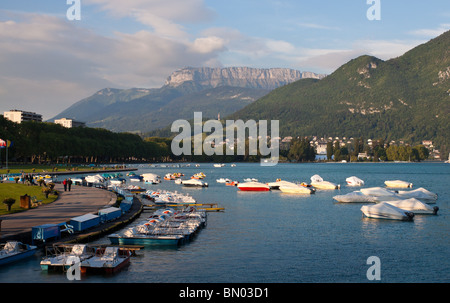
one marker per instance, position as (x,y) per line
(44,169)
(14,190)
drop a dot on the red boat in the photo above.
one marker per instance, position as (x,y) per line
(253,186)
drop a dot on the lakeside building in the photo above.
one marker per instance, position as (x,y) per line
(18,116)
(69,123)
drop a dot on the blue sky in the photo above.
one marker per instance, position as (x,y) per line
(48,62)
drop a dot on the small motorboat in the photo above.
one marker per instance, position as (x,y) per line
(232,183)
(13,251)
(398,184)
(278,183)
(108,260)
(250,180)
(296,189)
(355,197)
(354,181)
(415,206)
(380,194)
(253,186)
(420,194)
(194,183)
(223,180)
(318,182)
(384,210)
(151,178)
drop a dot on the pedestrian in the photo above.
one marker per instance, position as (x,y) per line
(69,182)
(65,184)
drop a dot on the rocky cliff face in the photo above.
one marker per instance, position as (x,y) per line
(206,77)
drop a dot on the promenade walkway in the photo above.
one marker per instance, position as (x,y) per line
(79,201)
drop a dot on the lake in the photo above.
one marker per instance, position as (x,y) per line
(271,237)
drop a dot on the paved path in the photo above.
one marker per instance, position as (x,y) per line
(79,201)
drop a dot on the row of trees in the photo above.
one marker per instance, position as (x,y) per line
(379,151)
(52,143)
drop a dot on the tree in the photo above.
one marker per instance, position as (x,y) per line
(9,202)
(330,150)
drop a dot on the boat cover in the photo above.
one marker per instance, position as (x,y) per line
(411,205)
(386,211)
(354,181)
(355,196)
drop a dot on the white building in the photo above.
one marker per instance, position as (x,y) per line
(69,123)
(18,116)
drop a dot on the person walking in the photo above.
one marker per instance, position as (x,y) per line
(69,183)
(65,184)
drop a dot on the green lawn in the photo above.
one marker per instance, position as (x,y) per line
(29,168)
(13,190)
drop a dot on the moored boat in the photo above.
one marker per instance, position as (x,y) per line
(385,210)
(354,181)
(194,183)
(415,206)
(420,194)
(398,184)
(61,257)
(107,260)
(318,182)
(13,251)
(253,186)
(355,197)
(296,189)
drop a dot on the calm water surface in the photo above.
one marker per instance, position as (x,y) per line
(281,238)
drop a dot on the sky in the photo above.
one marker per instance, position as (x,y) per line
(49,60)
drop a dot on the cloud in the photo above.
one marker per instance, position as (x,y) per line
(431,33)
(48,63)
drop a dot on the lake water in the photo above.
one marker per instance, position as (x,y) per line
(271,237)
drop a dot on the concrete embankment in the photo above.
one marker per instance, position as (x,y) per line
(79,201)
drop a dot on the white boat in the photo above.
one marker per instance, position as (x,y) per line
(420,194)
(250,180)
(295,189)
(354,181)
(355,197)
(223,180)
(219,165)
(318,182)
(94,179)
(385,210)
(253,186)
(278,183)
(381,194)
(398,184)
(194,183)
(13,251)
(415,206)
(151,178)
(64,256)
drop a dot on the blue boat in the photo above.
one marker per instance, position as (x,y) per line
(147,240)
(13,251)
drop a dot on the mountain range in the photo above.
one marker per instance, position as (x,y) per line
(404,98)
(213,91)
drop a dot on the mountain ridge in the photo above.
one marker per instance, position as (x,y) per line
(402,98)
(143,110)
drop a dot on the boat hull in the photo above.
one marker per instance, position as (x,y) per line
(147,241)
(18,257)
